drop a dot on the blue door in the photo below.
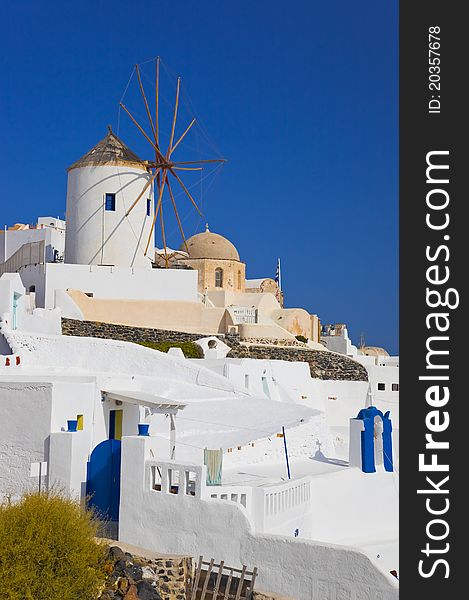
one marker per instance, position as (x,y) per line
(103,480)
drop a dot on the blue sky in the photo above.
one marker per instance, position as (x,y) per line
(301,97)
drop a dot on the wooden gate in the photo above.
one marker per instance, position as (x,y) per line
(221,582)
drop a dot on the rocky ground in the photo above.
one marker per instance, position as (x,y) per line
(135,578)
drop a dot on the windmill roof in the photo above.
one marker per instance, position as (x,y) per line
(109,151)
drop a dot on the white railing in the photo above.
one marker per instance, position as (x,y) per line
(32,253)
(175,478)
(266,507)
(243,314)
(282,499)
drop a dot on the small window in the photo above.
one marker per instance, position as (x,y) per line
(394,387)
(148,207)
(381,387)
(110,202)
(32,288)
(239,280)
(219,277)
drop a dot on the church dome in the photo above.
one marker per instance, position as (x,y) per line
(211,245)
(373,351)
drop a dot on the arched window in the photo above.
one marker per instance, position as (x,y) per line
(239,280)
(218,277)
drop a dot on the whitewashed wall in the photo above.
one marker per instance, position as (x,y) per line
(12,240)
(96,236)
(182,524)
(25,409)
(110,282)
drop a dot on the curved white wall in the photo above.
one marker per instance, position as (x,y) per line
(96,236)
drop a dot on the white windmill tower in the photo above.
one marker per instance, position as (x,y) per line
(114,198)
(102,186)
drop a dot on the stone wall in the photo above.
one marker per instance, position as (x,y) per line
(125,332)
(323,365)
(133,577)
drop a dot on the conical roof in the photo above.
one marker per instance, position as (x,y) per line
(109,151)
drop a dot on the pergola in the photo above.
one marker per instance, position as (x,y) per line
(156,404)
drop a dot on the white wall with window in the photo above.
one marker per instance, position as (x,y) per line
(110,282)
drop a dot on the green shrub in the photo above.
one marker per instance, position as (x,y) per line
(48,549)
(190,349)
(301,338)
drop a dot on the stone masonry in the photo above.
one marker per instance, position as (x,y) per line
(322,364)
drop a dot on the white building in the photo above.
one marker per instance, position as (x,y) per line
(245,459)
(49,232)
(104,224)
(383,370)
(107,388)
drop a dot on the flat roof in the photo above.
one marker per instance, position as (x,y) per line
(156,403)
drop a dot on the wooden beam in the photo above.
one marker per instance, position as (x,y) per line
(188,168)
(157,85)
(173,127)
(240,583)
(147,108)
(207,577)
(186,190)
(163,180)
(182,137)
(177,216)
(200,162)
(142,131)
(228,586)
(147,185)
(195,583)
(217,584)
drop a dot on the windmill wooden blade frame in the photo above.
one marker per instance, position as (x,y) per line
(163,168)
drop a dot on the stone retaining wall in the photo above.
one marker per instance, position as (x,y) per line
(134,577)
(323,364)
(126,333)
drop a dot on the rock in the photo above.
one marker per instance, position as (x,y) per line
(132,593)
(122,585)
(146,591)
(120,566)
(148,573)
(115,554)
(133,572)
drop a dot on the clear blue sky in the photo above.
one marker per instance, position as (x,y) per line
(300,96)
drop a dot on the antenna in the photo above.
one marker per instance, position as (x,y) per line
(362,340)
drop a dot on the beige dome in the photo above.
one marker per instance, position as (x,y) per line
(211,245)
(373,351)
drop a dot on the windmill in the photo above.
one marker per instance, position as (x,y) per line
(165,172)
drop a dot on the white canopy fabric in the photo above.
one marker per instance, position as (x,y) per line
(157,404)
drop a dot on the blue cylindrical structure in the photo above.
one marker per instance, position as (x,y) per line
(72,425)
(143,429)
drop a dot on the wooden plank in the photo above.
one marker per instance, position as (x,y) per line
(251,587)
(231,568)
(228,586)
(207,577)
(240,584)
(217,583)
(195,583)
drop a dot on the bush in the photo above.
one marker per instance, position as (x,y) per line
(48,549)
(301,338)
(190,349)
